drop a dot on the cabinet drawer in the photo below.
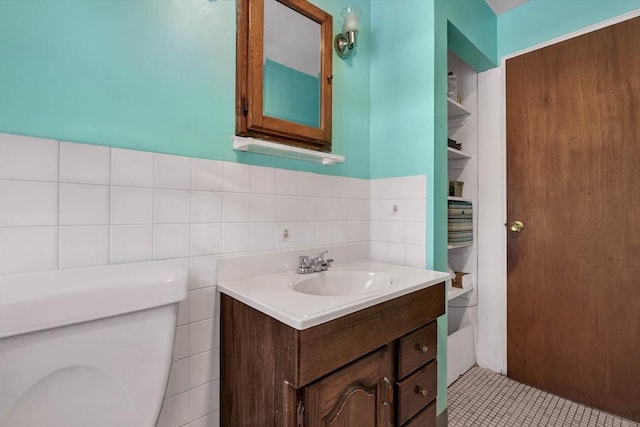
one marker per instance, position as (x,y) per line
(331,345)
(416,349)
(416,392)
(426,418)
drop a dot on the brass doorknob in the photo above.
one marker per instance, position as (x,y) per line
(516,226)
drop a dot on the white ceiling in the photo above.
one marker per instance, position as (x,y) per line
(501,6)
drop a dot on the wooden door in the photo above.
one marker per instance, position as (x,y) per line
(573,179)
(355,396)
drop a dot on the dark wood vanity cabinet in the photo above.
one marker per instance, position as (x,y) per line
(372,368)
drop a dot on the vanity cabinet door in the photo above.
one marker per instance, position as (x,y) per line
(358,395)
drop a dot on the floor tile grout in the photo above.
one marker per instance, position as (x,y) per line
(482,397)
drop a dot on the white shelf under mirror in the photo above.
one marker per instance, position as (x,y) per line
(258,146)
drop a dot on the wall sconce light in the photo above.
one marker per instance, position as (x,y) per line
(348,38)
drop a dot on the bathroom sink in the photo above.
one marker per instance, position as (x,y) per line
(340,283)
(302,301)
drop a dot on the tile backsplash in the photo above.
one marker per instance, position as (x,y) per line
(398,220)
(65,205)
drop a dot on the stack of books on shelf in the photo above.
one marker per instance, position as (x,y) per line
(460,226)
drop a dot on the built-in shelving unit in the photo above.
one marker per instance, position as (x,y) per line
(462,165)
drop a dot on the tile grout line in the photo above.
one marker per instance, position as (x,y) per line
(484,398)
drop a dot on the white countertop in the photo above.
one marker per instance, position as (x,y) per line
(272,294)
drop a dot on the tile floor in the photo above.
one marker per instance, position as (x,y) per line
(482,397)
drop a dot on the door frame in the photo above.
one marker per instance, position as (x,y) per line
(492,232)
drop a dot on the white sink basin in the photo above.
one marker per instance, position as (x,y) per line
(338,283)
(303,301)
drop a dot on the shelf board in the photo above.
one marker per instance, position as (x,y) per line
(456,110)
(453,154)
(459,199)
(457,292)
(460,245)
(281,150)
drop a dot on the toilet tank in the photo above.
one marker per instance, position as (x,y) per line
(48,299)
(88,347)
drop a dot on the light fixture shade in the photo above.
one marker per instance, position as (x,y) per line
(351,21)
(346,41)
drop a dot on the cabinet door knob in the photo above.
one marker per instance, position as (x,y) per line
(422,348)
(421,391)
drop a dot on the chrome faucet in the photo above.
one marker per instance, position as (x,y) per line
(308,265)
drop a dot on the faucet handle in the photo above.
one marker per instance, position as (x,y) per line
(320,256)
(303,261)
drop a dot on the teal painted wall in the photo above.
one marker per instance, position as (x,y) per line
(290,94)
(539,21)
(408,106)
(402,95)
(151,75)
(472,33)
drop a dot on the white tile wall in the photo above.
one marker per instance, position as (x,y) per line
(262,236)
(398,220)
(206,206)
(84,245)
(206,239)
(131,168)
(171,172)
(286,182)
(236,178)
(82,163)
(131,243)
(236,207)
(28,158)
(83,204)
(286,208)
(206,175)
(263,180)
(65,205)
(27,203)
(131,205)
(24,249)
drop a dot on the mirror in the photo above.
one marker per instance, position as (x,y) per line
(283,72)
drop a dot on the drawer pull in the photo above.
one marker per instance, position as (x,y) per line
(422,348)
(389,391)
(421,391)
(389,401)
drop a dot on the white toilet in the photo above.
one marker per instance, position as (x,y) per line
(88,347)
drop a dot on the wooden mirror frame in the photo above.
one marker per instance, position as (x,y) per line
(250,118)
